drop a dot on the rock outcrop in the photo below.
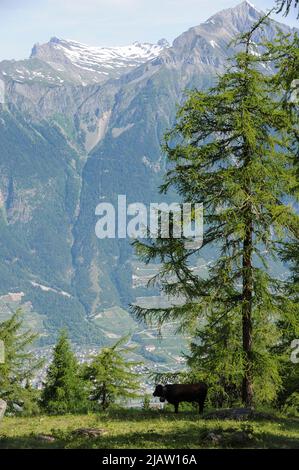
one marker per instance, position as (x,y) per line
(3,406)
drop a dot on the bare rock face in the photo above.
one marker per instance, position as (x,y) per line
(230,437)
(3,406)
(45,438)
(213,438)
(89,432)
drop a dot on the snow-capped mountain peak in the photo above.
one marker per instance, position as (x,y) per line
(95,64)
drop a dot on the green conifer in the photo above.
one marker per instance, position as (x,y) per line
(64,389)
(19,364)
(233,150)
(112,375)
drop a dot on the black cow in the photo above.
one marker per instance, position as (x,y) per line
(176,393)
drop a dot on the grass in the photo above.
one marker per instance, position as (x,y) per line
(136,429)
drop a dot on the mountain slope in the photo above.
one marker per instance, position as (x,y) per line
(60,61)
(39,193)
(86,64)
(78,145)
(128,160)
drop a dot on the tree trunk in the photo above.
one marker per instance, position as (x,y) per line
(247,391)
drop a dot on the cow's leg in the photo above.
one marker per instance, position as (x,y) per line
(200,407)
(176,407)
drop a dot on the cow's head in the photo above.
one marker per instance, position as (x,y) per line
(160,392)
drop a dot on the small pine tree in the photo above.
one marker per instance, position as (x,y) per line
(19,364)
(111,375)
(64,389)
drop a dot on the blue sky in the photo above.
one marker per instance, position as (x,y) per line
(103,22)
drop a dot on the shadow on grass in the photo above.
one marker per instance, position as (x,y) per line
(138,440)
(143,415)
(272,441)
(191,433)
(29,443)
(189,438)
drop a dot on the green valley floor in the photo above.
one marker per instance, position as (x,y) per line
(121,429)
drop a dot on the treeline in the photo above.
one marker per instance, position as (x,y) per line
(69,387)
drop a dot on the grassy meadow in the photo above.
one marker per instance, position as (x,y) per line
(137,429)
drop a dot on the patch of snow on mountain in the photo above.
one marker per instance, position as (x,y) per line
(251,4)
(102,59)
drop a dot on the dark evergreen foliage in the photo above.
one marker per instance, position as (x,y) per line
(19,365)
(64,389)
(112,375)
(285,6)
(233,150)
